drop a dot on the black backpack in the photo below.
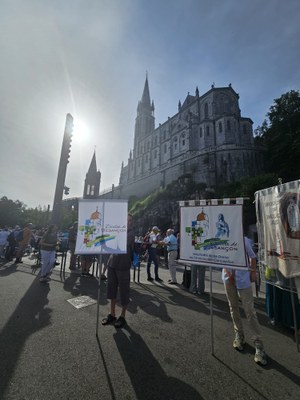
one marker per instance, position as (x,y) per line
(19,236)
(11,238)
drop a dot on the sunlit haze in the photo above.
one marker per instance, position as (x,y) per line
(90,59)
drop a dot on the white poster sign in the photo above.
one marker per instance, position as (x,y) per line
(102,227)
(278,224)
(213,235)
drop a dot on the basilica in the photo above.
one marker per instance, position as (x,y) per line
(207,139)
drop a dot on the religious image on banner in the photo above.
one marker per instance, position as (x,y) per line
(278,223)
(213,235)
(102,227)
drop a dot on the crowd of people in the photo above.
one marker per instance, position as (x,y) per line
(45,244)
(237,283)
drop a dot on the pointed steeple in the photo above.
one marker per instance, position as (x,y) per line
(93,165)
(145,121)
(92,180)
(146,94)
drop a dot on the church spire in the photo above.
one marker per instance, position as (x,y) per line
(146,94)
(93,165)
(92,180)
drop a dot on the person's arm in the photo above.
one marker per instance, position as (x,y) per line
(252,259)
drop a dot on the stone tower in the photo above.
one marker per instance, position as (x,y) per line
(92,181)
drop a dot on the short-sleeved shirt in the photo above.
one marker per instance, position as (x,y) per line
(171,242)
(241,277)
(152,238)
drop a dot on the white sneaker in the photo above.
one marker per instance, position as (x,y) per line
(239,342)
(260,357)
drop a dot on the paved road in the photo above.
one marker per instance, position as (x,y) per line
(49,349)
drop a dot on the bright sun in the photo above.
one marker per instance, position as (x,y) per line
(80,130)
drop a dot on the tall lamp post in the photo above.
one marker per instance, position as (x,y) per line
(62,169)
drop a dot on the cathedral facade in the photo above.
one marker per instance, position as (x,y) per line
(207,139)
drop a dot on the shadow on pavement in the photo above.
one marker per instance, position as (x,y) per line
(151,304)
(29,317)
(148,378)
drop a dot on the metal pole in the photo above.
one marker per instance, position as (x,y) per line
(98,301)
(211,312)
(294,315)
(139,268)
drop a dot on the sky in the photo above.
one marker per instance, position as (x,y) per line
(89,58)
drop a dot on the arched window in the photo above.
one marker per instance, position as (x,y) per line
(201,132)
(245,129)
(220,127)
(228,125)
(207,131)
(165,147)
(205,110)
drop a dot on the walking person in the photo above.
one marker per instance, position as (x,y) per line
(118,278)
(237,285)
(152,254)
(48,245)
(170,241)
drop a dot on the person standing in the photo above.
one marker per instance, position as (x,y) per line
(170,241)
(4,233)
(86,261)
(24,242)
(12,242)
(197,279)
(72,246)
(48,245)
(152,254)
(118,277)
(237,285)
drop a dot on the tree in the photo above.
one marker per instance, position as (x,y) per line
(282,136)
(11,212)
(16,213)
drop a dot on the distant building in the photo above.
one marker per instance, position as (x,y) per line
(92,181)
(91,187)
(207,138)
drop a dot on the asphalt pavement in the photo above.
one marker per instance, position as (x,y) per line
(170,349)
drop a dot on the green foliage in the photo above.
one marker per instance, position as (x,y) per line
(281,136)
(15,212)
(67,218)
(246,188)
(182,189)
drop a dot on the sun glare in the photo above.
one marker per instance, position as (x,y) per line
(80,130)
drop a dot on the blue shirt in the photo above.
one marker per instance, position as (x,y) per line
(241,277)
(171,242)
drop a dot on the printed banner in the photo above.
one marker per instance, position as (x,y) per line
(213,235)
(102,227)
(278,225)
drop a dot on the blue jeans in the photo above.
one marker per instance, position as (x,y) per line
(152,256)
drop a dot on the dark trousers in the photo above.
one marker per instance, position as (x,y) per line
(152,256)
